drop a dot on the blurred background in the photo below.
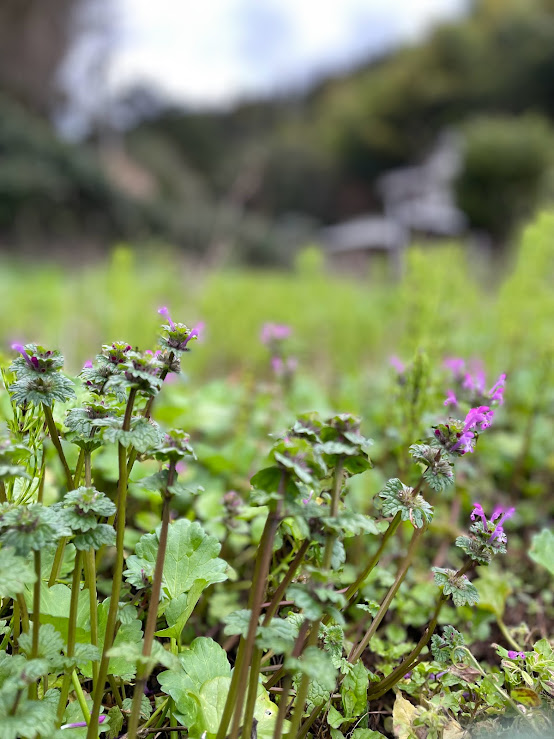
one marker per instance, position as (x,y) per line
(320,163)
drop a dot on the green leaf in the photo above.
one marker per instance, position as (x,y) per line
(458,586)
(398,497)
(130,632)
(54,609)
(354,691)
(237,622)
(493,590)
(180,609)
(267,479)
(542,549)
(526,697)
(145,706)
(366,734)
(191,555)
(279,636)
(101,535)
(15,573)
(334,718)
(143,434)
(316,664)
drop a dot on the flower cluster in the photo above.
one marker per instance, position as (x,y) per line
(471,385)
(488,535)
(273,335)
(177,335)
(39,380)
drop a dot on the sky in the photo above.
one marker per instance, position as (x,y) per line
(210,53)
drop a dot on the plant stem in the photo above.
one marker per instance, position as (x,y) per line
(71,632)
(92,732)
(383,686)
(285,582)
(235,697)
(143,669)
(302,692)
(352,590)
(57,443)
(24,613)
(79,468)
(283,701)
(3,497)
(335,499)
(90,570)
(80,696)
(407,663)
(57,563)
(498,689)
(88,471)
(506,634)
(36,616)
(357,651)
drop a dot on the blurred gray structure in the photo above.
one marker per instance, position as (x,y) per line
(418,202)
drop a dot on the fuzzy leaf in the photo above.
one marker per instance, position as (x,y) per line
(15,573)
(354,691)
(128,633)
(191,555)
(237,622)
(180,609)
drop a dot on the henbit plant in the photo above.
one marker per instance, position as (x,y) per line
(61,639)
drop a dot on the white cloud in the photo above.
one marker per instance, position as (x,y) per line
(211,51)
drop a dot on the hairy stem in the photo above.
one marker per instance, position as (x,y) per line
(36,616)
(143,669)
(237,689)
(408,662)
(302,692)
(92,732)
(357,651)
(352,590)
(54,435)
(71,632)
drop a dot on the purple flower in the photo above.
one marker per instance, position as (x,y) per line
(199,328)
(479,419)
(274,332)
(281,367)
(475,381)
(31,361)
(499,515)
(88,364)
(397,363)
(451,398)
(497,390)
(516,655)
(165,312)
(455,365)
(307,500)
(82,724)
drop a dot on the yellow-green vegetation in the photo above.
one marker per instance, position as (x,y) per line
(449,302)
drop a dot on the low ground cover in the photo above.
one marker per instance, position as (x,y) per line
(310,545)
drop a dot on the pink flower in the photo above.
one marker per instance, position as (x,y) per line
(450,398)
(499,514)
(475,381)
(274,332)
(477,419)
(88,364)
(455,365)
(164,311)
(497,390)
(79,724)
(397,363)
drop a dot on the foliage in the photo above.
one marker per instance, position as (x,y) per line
(317,566)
